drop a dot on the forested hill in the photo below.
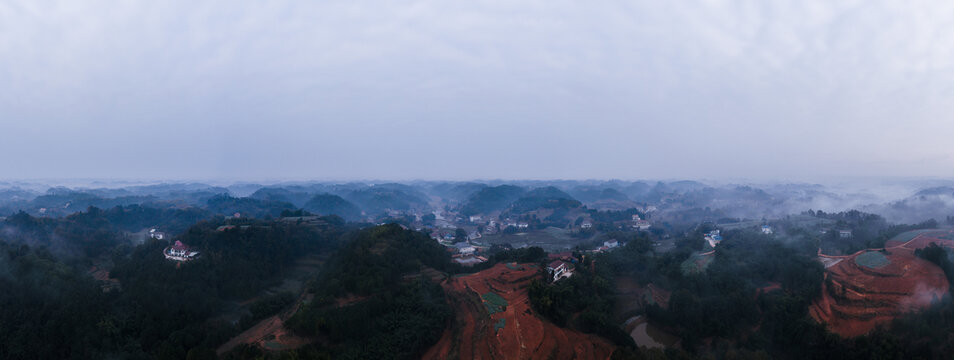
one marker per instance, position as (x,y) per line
(399,310)
(53,309)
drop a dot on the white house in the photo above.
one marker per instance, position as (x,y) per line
(611,243)
(766,229)
(158,235)
(643,224)
(557,269)
(523,225)
(636,217)
(475,218)
(713,238)
(179,252)
(465,249)
(586,225)
(844,233)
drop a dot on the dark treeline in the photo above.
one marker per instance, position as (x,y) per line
(396,310)
(867,231)
(162,309)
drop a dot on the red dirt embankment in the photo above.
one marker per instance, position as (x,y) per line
(856,298)
(270,334)
(473,334)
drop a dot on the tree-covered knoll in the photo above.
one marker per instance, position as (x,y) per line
(399,312)
(327,204)
(491,199)
(162,309)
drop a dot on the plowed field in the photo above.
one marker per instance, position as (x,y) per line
(494,320)
(871,288)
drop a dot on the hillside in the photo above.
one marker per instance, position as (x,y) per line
(491,199)
(376,298)
(544,198)
(494,320)
(327,204)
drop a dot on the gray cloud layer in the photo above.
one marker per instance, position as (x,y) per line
(429,89)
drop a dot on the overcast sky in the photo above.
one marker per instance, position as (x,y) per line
(458,90)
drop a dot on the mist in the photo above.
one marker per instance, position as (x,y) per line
(781,91)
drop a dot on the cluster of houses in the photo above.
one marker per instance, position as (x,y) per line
(640,224)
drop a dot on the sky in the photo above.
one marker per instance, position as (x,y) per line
(329,90)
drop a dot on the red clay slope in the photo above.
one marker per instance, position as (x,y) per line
(855,298)
(524,336)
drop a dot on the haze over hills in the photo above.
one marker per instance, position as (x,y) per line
(903,202)
(250,180)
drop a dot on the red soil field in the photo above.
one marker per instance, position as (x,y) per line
(472,334)
(856,298)
(270,334)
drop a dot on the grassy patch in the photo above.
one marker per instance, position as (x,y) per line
(514,266)
(494,302)
(872,259)
(908,235)
(696,263)
(500,324)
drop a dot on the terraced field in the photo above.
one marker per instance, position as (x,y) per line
(872,287)
(494,320)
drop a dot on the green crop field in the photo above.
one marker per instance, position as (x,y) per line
(500,324)
(872,259)
(908,235)
(494,302)
(696,263)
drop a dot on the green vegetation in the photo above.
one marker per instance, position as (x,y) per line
(868,231)
(696,263)
(396,317)
(583,301)
(165,311)
(375,200)
(491,199)
(494,303)
(246,207)
(266,306)
(543,198)
(872,259)
(500,324)
(328,204)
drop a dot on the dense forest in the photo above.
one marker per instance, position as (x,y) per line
(378,295)
(161,309)
(401,311)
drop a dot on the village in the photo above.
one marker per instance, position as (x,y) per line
(471,239)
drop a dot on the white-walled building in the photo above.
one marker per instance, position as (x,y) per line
(179,252)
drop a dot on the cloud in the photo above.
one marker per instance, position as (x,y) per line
(490,89)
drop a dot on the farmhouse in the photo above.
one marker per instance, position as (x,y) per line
(559,269)
(643,224)
(465,249)
(713,238)
(156,234)
(179,252)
